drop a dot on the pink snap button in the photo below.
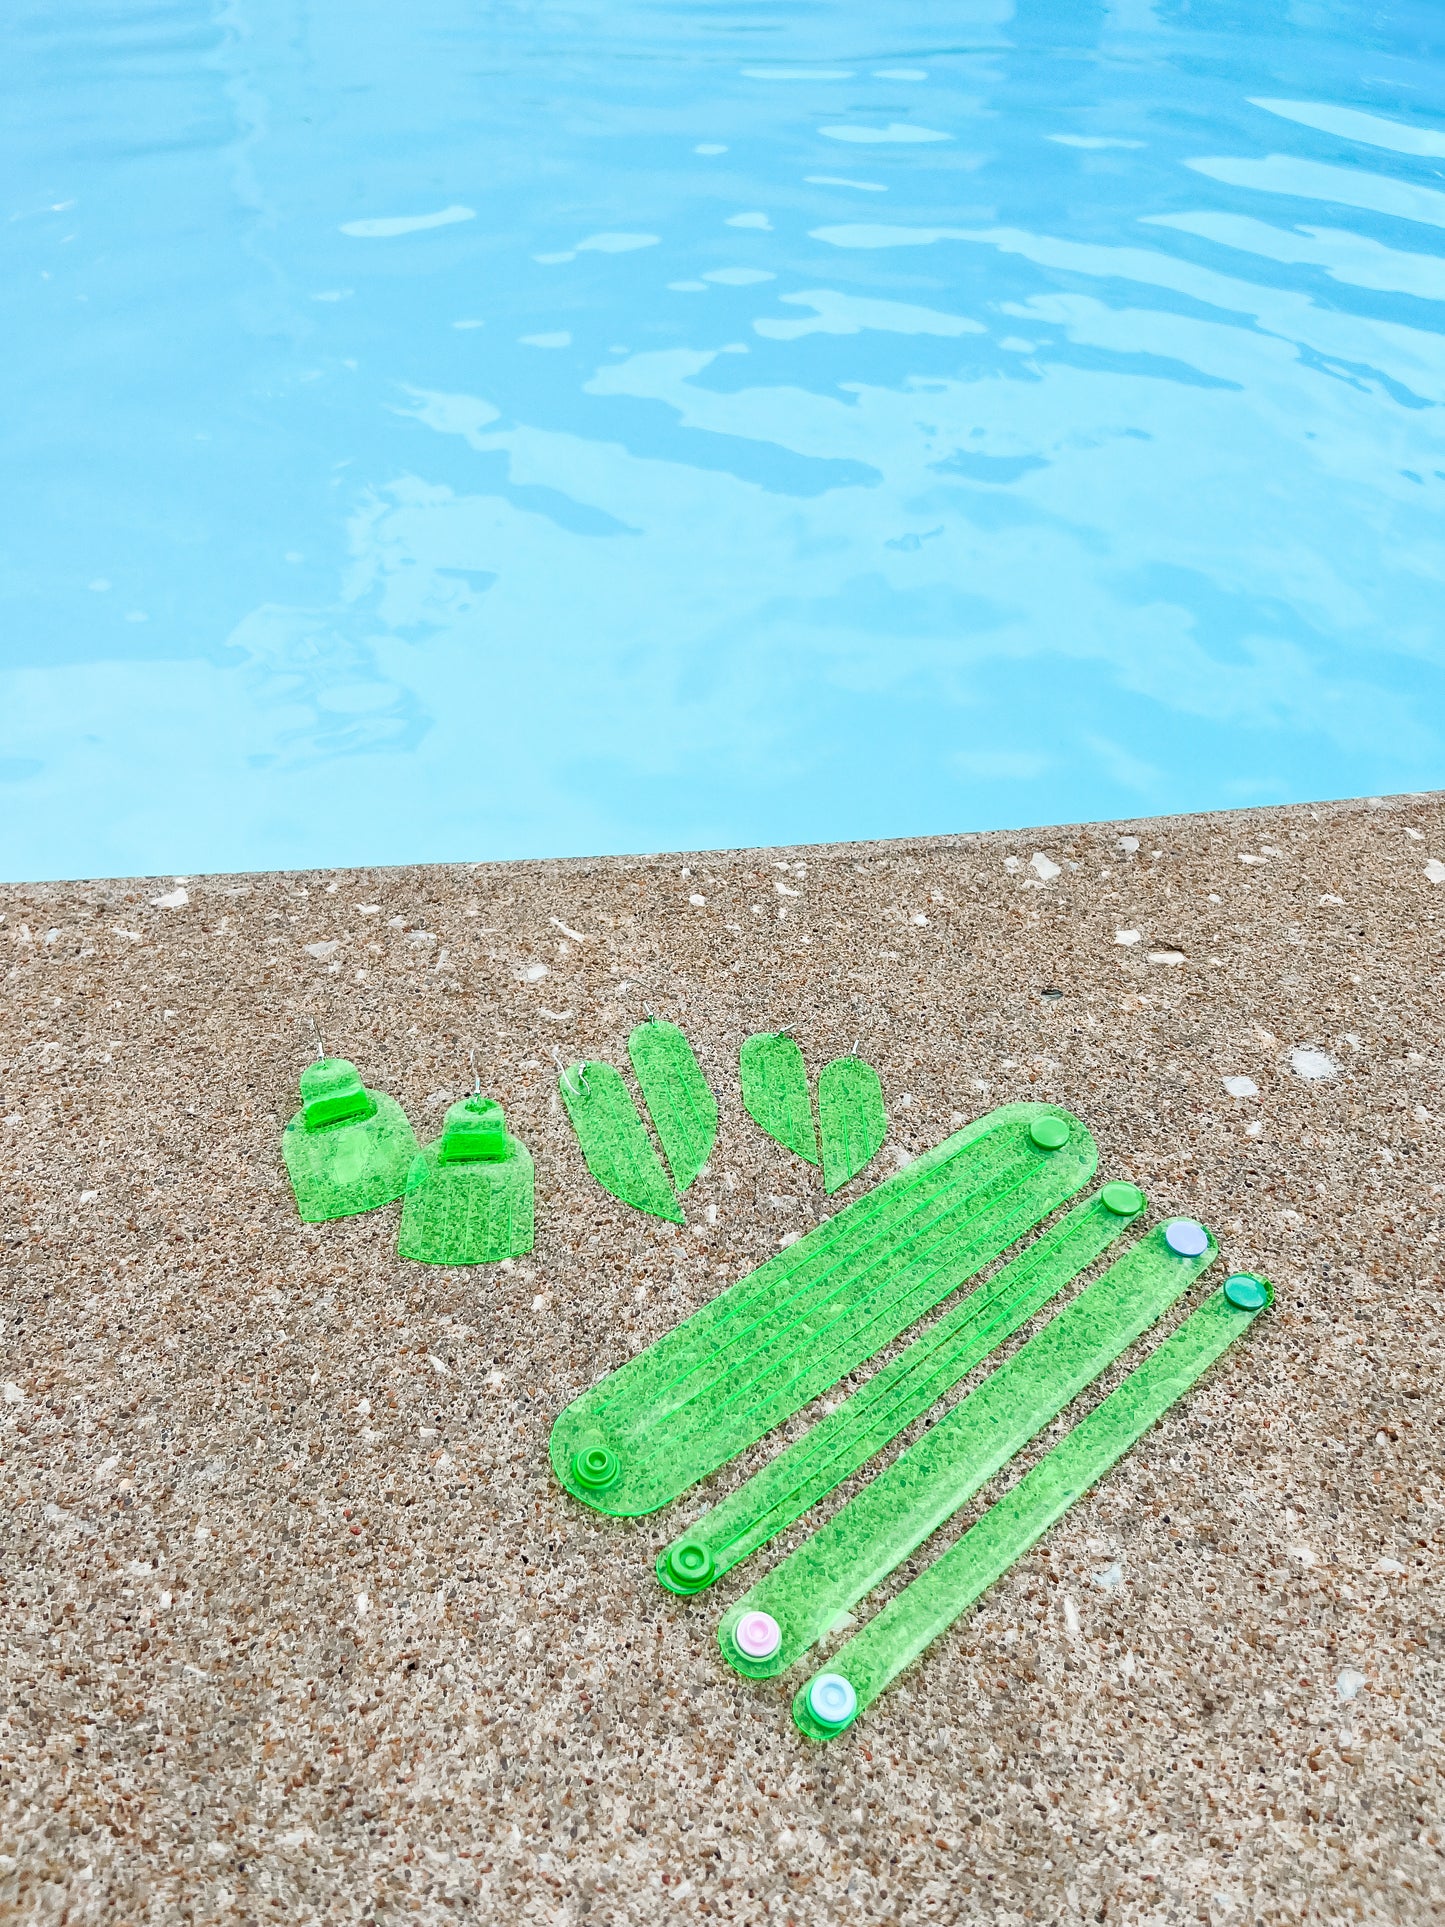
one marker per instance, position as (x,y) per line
(758,1635)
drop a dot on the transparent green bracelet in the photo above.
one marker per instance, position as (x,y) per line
(890,1518)
(762,1349)
(873,1658)
(834,1448)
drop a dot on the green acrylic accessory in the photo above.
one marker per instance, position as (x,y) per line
(885,1522)
(614,1140)
(838,1445)
(682,1108)
(775,1091)
(851,1120)
(347,1149)
(873,1658)
(806,1318)
(469,1195)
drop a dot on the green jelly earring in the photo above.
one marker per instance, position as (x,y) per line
(347,1149)
(469,1195)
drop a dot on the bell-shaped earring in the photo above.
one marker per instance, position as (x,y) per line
(347,1149)
(469,1194)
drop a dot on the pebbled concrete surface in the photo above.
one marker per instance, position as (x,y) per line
(298,1626)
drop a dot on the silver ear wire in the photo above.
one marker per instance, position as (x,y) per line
(316,1031)
(565,1072)
(476,1075)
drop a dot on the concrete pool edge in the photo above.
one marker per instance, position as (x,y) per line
(200,1506)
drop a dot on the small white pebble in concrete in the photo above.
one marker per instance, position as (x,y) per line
(1011,864)
(363,1605)
(1308,1062)
(1435,870)
(1167,957)
(1129,845)
(1387,1566)
(920,920)
(1328,898)
(696,901)
(1245,858)
(1110,1578)
(1043,867)
(1126,936)
(1241,1087)
(176,899)
(1073,1626)
(1350,1683)
(1415,836)
(322,951)
(89,1197)
(13,1394)
(534,973)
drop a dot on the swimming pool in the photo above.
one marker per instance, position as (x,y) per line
(452,433)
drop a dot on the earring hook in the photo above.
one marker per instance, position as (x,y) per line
(565,1072)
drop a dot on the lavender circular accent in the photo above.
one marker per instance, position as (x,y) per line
(1187,1237)
(758,1635)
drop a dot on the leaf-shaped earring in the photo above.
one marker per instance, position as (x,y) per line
(775,1091)
(682,1108)
(614,1142)
(851,1119)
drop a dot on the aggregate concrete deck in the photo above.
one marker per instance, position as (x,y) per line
(298,1625)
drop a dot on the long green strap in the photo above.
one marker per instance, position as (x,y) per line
(834,1448)
(874,1657)
(857,1548)
(762,1349)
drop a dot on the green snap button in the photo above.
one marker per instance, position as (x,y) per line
(1125,1200)
(690,1565)
(596,1468)
(1247,1292)
(1049,1133)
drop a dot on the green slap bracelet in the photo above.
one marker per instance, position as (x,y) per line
(347,1149)
(762,1349)
(469,1195)
(873,1658)
(851,1119)
(863,1424)
(879,1527)
(682,1108)
(614,1140)
(775,1091)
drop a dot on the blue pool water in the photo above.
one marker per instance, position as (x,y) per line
(453,431)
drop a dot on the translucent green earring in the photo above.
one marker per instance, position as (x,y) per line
(469,1195)
(347,1149)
